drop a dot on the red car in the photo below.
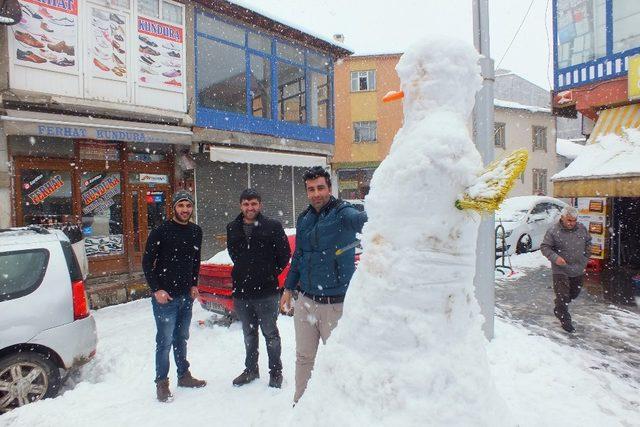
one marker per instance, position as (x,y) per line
(215,283)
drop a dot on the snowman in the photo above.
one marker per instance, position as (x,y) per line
(409,349)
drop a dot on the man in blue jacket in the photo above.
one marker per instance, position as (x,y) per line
(321,268)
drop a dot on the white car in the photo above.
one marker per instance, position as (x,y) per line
(524,221)
(45,323)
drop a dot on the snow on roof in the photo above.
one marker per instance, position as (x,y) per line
(520,203)
(514,105)
(250,5)
(568,148)
(611,155)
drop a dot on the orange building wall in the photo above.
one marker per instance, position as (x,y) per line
(365,106)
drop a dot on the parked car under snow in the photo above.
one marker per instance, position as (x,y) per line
(525,220)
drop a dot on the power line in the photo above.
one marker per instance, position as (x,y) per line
(546,32)
(516,34)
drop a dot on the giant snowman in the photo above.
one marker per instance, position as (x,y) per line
(409,348)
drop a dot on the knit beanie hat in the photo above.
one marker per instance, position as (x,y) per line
(181,195)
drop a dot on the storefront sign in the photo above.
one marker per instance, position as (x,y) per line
(592,213)
(47,35)
(103,134)
(634,77)
(153,178)
(160,55)
(46,189)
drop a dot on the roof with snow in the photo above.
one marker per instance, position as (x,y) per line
(611,156)
(242,11)
(516,106)
(568,148)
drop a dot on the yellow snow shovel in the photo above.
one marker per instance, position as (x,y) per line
(494,183)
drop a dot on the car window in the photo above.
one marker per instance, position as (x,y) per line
(21,272)
(539,208)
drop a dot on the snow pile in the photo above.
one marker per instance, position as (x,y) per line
(409,349)
(567,148)
(611,155)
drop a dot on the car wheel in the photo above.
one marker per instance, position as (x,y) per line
(524,244)
(25,378)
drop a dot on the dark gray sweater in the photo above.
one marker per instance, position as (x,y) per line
(574,245)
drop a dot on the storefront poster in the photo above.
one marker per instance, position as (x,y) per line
(592,213)
(160,55)
(46,36)
(46,189)
(108,54)
(99,197)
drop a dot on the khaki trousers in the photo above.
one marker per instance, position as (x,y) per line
(313,321)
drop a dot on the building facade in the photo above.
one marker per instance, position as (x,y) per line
(365,126)
(596,74)
(109,107)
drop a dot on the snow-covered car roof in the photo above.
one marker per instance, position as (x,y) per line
(519,203)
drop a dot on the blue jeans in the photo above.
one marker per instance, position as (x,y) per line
(264,313)
(172,325)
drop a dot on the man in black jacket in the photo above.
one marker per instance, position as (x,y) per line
(171,264)
(260,251)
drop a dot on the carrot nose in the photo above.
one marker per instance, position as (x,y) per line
(393,95)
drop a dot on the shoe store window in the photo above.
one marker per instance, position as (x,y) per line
(46,196)
(354,183)
(165,10)
(102,227)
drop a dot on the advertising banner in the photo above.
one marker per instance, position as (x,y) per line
(46,37)
(108,40)
(634,77)
(160,55)
(592,213)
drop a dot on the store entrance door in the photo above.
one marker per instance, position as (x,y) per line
(150,206)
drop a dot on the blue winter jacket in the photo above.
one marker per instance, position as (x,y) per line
(316,269)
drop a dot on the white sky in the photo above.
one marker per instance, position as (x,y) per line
(379,26)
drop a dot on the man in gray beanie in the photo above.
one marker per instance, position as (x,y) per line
(171,264)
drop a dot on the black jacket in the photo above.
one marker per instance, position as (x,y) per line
(259,260)
(171,260)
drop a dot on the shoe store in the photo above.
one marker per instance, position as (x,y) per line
(109,178)
(96,124)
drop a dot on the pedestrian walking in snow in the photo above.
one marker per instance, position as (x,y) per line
(321,268)
(171,263)
(567,245)
(260,250)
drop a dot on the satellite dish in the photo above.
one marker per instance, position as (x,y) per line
(10,12)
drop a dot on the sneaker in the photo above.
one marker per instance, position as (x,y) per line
(115,18)
(44,12)
(147,50)
(62,47)
(45,27)
(173,82)
(64,62)
(29,56)
(188,381)
(246,377)
(162,391)
(172,73)
(147,41)
(27,39)
(275,379)
(174,54)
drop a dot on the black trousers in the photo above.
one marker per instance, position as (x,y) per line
(263,313)
(566,289)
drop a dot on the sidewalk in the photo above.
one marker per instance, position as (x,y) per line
(609,330)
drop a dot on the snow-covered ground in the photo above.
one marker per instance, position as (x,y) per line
(543,382)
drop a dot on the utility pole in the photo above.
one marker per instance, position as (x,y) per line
(483,128)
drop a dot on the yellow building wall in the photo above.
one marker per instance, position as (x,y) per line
(365,106)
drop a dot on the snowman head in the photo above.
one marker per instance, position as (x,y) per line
(439,74)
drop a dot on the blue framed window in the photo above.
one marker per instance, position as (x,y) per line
(593,40)
(253,82)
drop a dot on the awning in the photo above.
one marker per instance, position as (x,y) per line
(31,123)
(614,120)
(256,157)
(601,187)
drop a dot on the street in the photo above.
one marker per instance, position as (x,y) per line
(587,379)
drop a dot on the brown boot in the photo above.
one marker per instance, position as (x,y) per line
(188,381)
(162,391)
